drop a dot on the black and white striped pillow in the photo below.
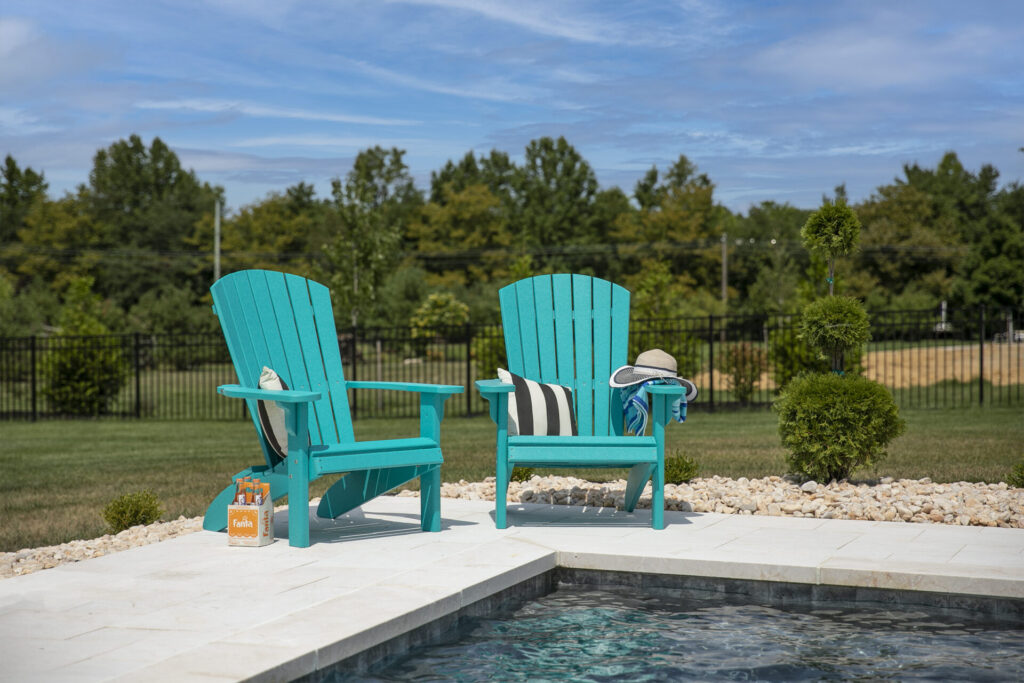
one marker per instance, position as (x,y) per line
(538,409)
(272,416)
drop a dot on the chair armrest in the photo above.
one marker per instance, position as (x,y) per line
(496,393)
(284,396)
(408,386)
(494,386)
(670,390)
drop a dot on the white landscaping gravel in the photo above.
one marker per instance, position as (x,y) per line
(905,500)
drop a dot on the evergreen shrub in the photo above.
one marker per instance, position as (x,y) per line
(132,509)
(438,316)
(522,474)
(84,374)
(834,325)
(489,355)
(744,363)
(832,425)
(1016,476)
(680,469)
(789,355)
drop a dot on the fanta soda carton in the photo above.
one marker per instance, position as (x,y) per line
(249,523)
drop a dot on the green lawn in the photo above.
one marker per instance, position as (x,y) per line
(58,475)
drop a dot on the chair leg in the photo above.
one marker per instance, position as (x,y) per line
(430,500)
(638,477)
(502,473)
(658,496)
(298,501)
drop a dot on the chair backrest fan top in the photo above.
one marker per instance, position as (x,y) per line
(571,330)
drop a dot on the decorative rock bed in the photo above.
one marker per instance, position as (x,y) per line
(906,500)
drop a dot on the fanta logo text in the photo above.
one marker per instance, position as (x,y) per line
(241,523)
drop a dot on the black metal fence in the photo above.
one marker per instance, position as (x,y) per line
(927,359)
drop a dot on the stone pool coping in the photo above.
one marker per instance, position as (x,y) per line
(192,608)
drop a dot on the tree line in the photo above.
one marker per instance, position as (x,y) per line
(134,245)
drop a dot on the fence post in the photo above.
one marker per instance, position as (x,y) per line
(469,368)
(711,363)
(981,355)
(138,377)
(35,413)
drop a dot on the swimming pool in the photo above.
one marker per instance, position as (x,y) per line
(580,632)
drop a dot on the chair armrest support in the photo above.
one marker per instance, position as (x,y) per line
(408,386)
(284,396)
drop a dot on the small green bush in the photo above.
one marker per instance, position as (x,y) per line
(441,310)
(132,509)
(1016,476)
(84,370)
(680,469)
(522,474)
(744,363)
(489,355)
(832,425)
(835,325)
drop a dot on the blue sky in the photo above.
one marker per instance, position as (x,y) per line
(773,100)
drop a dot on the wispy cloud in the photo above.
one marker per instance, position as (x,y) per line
(29,56)
(17,122)
(881,53)
(263,111)
(322,141)
(496,89)
(545,18)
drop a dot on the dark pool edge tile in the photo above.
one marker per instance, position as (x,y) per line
(783,593)
(436,632)
(737,591)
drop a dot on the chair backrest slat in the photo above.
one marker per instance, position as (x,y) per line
(562,285)
(572,330)
(330,355)
(583,327)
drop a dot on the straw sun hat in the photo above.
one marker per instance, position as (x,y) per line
(652,364)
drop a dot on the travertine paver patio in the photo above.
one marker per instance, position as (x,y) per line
(192,608)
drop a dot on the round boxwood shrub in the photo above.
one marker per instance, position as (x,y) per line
(832,424)
(834,325)
(132,509)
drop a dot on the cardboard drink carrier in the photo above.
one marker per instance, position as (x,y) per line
(251,516)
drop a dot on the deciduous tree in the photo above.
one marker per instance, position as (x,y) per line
(371,210)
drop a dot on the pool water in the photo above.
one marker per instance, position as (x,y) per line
(582,634)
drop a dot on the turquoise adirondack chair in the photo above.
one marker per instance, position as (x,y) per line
(573,330)
(286,323)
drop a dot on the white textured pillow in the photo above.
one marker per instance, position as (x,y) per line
(539,409)
(272,416)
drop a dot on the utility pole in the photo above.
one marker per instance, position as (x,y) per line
(725,272)
(725,284)
(216,240)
